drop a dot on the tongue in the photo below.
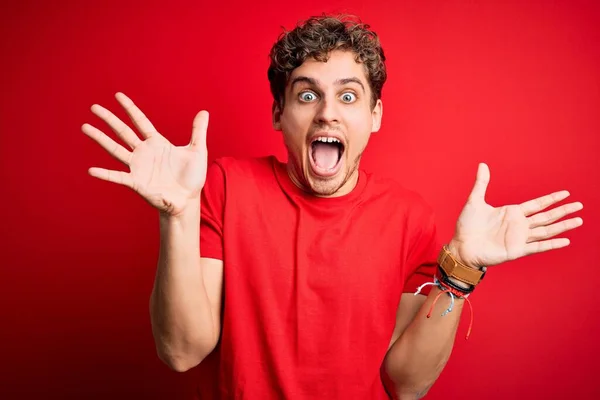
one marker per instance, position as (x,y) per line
(325,154)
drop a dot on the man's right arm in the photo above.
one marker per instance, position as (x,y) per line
(185,304)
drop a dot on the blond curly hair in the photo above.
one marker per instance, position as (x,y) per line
(316,38)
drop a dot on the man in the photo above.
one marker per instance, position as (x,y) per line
(303,274)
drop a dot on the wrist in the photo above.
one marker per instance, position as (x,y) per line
(187,215)
(455,271)
(460,284)
(455,249)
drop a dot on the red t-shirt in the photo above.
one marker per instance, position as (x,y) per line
(311,285)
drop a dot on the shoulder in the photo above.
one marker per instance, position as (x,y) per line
(398,195)
(242,166)
(412,211)
(240,176)
(235,178)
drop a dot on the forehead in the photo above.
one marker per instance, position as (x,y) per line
(340,65)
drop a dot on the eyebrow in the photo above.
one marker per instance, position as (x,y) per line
(314,82)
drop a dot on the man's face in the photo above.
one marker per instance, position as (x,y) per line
(326,122)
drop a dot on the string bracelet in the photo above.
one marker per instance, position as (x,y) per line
(453,292)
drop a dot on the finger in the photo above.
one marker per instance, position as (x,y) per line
(481,183)
(546,245)
(199,128)
(141,122)
(119,177)
(545,232)
(541,203)
(119,127)
(551,216)
(112,147)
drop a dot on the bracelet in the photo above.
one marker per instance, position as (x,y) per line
(452,293)
(447,282)
(457,270)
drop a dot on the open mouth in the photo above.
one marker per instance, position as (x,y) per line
(326,154)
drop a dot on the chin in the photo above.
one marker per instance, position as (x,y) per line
(331,184)
(322,183)
(326,187)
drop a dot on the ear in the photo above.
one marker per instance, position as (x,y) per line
(276,116)
(377,114)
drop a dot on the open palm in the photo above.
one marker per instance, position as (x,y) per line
(487,235)
(166,176)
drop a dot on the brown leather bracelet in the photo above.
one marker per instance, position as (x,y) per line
(457,270)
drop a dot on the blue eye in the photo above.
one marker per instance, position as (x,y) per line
(307,96)
(348,97)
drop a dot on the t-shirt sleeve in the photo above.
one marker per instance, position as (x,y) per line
(421,262)
(212,213)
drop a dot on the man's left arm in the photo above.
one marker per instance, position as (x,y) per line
(484,236)
(421,346)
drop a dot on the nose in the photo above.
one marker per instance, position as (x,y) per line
(327,113)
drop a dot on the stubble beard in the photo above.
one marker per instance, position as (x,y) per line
(323,188)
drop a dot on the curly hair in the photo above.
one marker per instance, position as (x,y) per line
(316,38)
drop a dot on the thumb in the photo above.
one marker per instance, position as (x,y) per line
(481,183)
(199,128)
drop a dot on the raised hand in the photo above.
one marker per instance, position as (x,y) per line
(166,176)
(487,235)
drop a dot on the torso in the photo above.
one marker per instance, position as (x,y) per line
(311,285)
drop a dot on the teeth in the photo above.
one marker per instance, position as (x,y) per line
(327,140)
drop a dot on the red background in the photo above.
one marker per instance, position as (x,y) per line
(514,84)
